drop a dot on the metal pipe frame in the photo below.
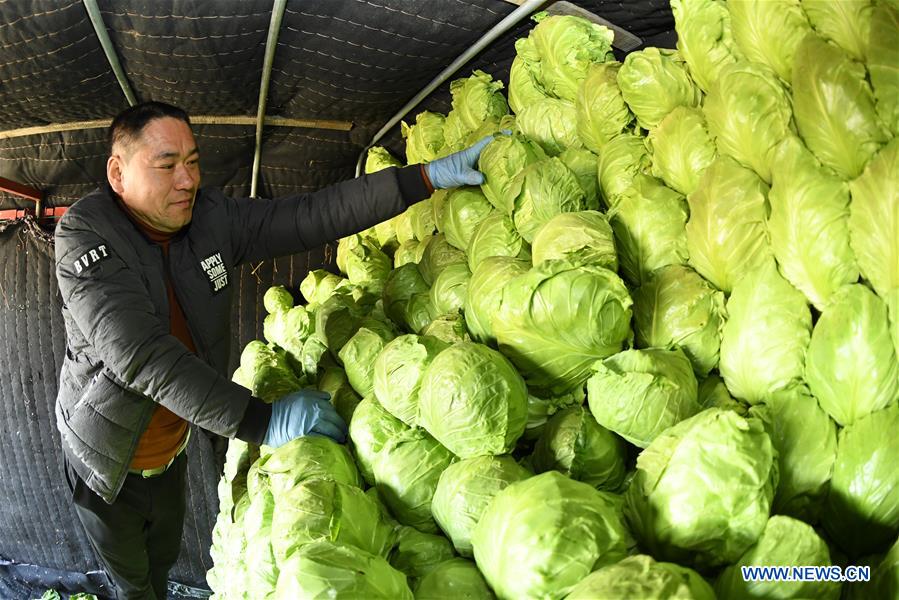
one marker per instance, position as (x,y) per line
(516,16)
(93,12)
(271,44)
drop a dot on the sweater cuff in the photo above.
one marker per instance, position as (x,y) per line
(254,426)
(414,184)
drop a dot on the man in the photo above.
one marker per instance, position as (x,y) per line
(145,268)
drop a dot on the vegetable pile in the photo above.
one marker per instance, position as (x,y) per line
(659,342)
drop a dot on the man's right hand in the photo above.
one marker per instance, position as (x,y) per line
(306,412)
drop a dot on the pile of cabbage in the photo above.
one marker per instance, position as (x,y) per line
(658,344)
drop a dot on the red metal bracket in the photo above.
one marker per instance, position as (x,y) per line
(15,213)
(29,193)
(24,191)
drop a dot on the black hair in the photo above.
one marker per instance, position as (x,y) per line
(128,125)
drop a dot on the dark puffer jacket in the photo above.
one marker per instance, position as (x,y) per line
(120,357)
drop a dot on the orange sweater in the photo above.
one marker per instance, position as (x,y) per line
(166,431)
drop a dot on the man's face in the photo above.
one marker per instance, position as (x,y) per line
(157,175)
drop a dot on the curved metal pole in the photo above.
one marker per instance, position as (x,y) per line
(271,43)
(103,36)
(513,18)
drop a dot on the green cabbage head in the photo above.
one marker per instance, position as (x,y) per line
(642,577)
(438,255)
(367,266)
(500,161)
(288,329)
(266,372)
(704,38)
(261,566)
(851,366)
(402,226)
(379,158)
(408,252)
(450,289)
(767,332)
(465,490)
(476,99)
(681,148)
(334,381)
(638,394)
(496,236)
(473,401)
(552,123)
(402,283)
(748,113)
(769,32)
(420,312)
(785,542)
(834,107)
(539,537)
(582,163)
(307,458)
(678,308)
(543,190)
(358,356)
(524,89)
(726,233)
(404,463)
(574,444)
(874,221)
(847,24)
(336,320)
(424,139)
(421,219)
(585,235)
(416,553)
(653,82)
(327,569)
(398,373)
(703,489)
(372,429)
(277,299)
(320,509)
(453,578)
(449,327)
(809,224)
(648,220)
(560,50)
(883,55)
(318,285)
(620,161)
(465,208)
(485,289)
(602,113)
(805,438)
(540,323)
(862,509)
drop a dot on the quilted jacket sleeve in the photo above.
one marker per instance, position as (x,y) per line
(264,229)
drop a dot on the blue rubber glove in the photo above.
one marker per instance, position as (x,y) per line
(459,168)
(306,412)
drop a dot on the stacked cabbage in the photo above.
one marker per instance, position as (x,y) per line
(656,345)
